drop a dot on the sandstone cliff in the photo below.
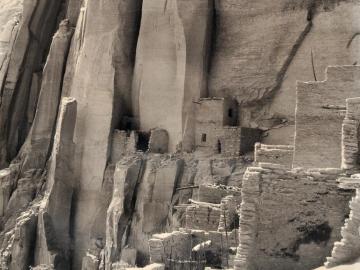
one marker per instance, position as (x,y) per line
(173,133)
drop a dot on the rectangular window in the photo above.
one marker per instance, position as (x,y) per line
(230,113)
(203,137)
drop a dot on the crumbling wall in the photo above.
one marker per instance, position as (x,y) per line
(350,135)
(320,111)
(203,217)
(289,219)
(347,250)
(177,249)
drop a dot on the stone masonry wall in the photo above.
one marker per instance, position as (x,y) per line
(203,217)
(350,135)
(348,249)
(276,154)
(289,219)
(178,246)
(320,111)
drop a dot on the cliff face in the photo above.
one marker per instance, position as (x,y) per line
(123,119)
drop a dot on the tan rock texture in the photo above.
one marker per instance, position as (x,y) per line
(179,134)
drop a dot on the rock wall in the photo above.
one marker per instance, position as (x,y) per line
(53,238)
(173,38)
(106,41)
(89,181)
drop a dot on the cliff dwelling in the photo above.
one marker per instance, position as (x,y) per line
(179,134)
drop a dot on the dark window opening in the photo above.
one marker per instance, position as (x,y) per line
(219,147)
(230,113)
(128,126)
(143,141)
(203,137)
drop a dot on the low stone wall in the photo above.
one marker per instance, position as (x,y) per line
(179,245)
(276,154)
(320,111)
(203,217)
(214,193)
(290,219)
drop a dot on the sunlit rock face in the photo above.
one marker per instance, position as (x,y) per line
(178,134)
(10,15)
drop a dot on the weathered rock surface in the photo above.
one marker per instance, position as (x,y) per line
(31,46)
(174,37)
(106,40)
(119,213)
(53,239)
(35,151)
(127,135)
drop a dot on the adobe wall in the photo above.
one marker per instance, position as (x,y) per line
(203,217)
(276,154)
(212,135)
(214,193)
(247,67)
(290,219)
(228,141)
(348,249)
(178,244)
(211,110)
(350,135)
(326,46)
(320,111)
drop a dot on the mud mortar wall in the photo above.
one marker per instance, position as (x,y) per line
(298,216)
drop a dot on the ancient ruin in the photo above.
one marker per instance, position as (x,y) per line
(179,134)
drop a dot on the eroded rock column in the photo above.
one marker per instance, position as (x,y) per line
(37,146)
(171,66)
(53,239)
(94,85)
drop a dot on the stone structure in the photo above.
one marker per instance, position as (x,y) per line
(152,166)
(276,154)
(205,217)
(320,111)
(179,50)
(217,129)
(351,135)
(294,211)
(347,250)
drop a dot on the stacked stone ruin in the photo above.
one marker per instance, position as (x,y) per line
(278,201)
